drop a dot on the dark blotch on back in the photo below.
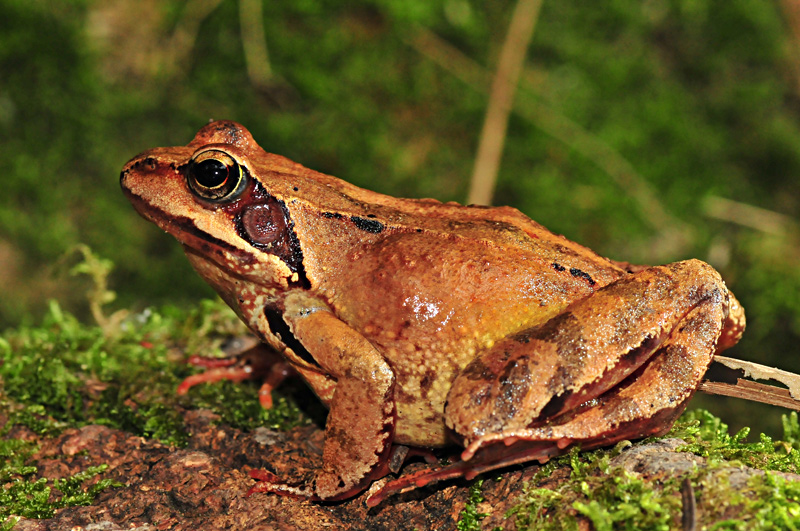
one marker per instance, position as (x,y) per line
(577,273)
(332,215)
(368,225)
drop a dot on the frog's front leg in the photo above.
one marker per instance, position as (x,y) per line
(360,425)
(620,364)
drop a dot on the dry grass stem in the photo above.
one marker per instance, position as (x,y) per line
(727,378)
(251,19)
(751,216)
(185,33)
(501,98)
(791,11)
(673,233)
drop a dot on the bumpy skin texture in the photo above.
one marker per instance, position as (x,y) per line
(417,322)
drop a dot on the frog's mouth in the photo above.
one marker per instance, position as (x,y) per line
(187,232)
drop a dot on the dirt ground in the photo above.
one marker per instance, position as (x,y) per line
(203,486)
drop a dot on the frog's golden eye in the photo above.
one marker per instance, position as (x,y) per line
(215,176)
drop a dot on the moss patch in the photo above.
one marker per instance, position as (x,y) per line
(470,517)
(613,498)
(125,379)
(24,495)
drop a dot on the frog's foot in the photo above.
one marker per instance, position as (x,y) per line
(258,362)
(269,482)
(491,458)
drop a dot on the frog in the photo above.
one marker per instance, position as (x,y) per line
(421,324)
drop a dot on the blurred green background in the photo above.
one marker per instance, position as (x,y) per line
(649,130)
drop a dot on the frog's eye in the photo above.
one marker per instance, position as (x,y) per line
(215,176)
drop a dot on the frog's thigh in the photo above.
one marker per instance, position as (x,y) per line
(645,405)
(360,425)
(593,346)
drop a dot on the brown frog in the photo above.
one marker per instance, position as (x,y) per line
(420,323)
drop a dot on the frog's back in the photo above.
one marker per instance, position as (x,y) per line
(526,244)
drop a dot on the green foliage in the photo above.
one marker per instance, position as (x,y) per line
(612,498)
(22,495)
(123,374)
(235,405)
(708,437)
(64,373)
(470,518)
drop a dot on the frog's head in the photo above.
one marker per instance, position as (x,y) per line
(210,197)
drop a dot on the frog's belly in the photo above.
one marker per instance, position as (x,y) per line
(420,409)
(427,352)
(424,372)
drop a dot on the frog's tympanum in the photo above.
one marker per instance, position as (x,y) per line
(419,323)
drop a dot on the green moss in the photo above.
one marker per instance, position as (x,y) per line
(23,495)
(612,498)
(707,436)
(64,373)
(122,373)
(470,518)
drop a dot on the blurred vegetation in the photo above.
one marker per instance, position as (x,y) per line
(696,101)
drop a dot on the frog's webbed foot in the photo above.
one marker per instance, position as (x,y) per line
(257,362)
(491,457)
(269,482)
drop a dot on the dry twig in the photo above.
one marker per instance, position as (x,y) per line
(501,98)
(751,216)
(727,377)
(673,233)
(186,30)
(254,41)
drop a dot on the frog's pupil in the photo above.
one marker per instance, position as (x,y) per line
(211,173)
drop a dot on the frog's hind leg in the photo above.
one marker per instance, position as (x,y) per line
(620,364)
(646,403)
